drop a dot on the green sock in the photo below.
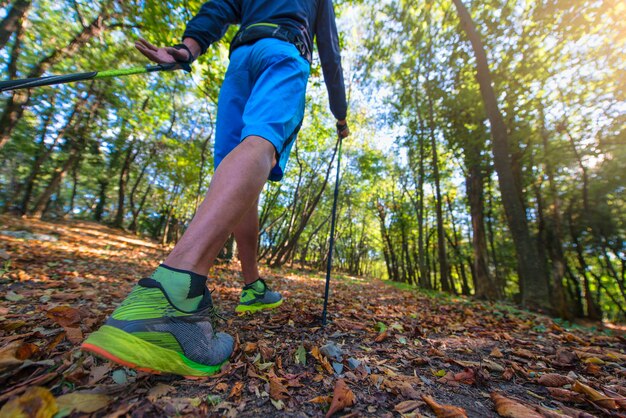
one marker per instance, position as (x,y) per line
(257,286)
(184,288)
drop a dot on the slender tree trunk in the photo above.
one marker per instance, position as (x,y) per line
(12,22)
(446,284)
(121,191)
(533,277)
(75,147)
(485,285)
(554,233)
(44,153)
(103,184)
(286,248)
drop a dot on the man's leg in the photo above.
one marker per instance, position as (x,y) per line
(255,295)
(235,188)
(167,322)
(247,237)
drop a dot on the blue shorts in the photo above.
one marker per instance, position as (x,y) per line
(263,94)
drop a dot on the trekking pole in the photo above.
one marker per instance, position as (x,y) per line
(332,235)
(25,83)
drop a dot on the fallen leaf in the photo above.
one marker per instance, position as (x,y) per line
(278,404)
(277,389)
(342,398)
(407,406)
(595,396)
(249,347)
(74,335)
(565,395)
(496,353)
(82,402)
(382,336)
(554,380)
(159,391)
(321,399)
(98,373)
(235,392)
(36,402)
(11,296)
(506,407)
(65,316)
(444,411)
(301,355)
(315,352)
(8,355)
(565,358)
(521,352)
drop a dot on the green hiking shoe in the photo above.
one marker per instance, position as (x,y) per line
(146,332)
(257,296)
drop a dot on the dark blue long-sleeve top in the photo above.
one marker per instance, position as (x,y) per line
(313,17)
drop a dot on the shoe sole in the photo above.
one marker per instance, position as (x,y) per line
(123,348)
(255,308)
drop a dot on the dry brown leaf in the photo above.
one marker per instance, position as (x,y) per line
(565,395)
(315,352)
(506,407)
(407,390)
(381,337)
(235,392)
(26,351)
(522,352)
(277,389)
(565,357)
(444,411)
(249,347)
(159,391)
(321,399)
(66,316)
(554,380)
(82,402)
(36,402)
(407,406)
(496,353)
(342,398)
(98,373)
(74,335)
(595,396)
(8,355)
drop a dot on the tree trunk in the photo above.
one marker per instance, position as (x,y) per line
(286,247)
(103,184)
(553,231)
(532,274)
(12,22)
(75,147)
(484,283)
(44,153)
(446,284)
(121,191)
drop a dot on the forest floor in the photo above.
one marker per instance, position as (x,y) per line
(387,351)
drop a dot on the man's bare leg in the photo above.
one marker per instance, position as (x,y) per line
(233,192)
(247,237)
(255,295)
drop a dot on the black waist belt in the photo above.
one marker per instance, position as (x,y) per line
(258,31)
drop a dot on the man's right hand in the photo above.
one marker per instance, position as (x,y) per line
(169,54)
(342,129)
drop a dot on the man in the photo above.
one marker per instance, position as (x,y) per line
(167,323)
